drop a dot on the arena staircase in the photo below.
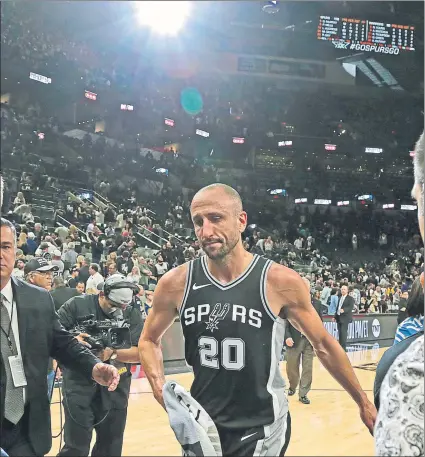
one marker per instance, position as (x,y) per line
(44,202)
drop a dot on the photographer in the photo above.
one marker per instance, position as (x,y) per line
(88,407)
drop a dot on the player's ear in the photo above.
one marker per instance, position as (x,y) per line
(243,220)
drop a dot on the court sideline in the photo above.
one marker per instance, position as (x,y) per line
(329,426)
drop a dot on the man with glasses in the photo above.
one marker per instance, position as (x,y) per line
(39,272)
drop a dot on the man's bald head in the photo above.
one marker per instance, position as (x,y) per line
(228,191)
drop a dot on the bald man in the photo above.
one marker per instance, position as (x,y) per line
(232,307)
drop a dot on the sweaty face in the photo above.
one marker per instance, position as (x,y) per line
(217,222)
(7,254)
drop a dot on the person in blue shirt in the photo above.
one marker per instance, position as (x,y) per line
(414,323)
(334,302)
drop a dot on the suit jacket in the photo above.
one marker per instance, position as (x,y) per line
(348,306)
(292,332)
(41,337)
(62,294)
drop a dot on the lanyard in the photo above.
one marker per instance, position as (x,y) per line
(10,328)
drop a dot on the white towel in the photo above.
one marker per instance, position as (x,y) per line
(192,425)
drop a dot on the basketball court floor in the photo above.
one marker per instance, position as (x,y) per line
(329,426)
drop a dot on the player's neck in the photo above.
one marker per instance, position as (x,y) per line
(227,269)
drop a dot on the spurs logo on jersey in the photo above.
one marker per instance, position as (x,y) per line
(238,313)
(218,314)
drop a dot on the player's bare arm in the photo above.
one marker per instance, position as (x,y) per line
(288,296)
(166,301)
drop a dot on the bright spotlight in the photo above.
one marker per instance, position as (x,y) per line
(163,17)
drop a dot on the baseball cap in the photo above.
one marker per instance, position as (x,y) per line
(123,295)
(57,253)
(39,264)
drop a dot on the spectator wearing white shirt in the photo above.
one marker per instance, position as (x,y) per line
(18,271)
(298,243)
(57,260)
(94,280)
(268,245)
(100,217)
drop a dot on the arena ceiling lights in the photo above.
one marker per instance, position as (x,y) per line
(164,17)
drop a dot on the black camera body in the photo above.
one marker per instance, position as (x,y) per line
(108,333)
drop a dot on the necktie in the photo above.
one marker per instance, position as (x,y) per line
(341,302)
(14,399)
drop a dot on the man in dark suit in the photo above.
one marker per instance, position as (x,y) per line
(299,347)
(61,293)
(30,334)
(344,315)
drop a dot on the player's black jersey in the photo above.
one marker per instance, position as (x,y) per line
(233,342)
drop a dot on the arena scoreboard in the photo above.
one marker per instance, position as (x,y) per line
(364,35)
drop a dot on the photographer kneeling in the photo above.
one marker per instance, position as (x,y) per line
(112,327)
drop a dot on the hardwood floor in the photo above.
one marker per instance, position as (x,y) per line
(329,426)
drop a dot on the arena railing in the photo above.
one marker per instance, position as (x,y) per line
(149,240)
(104,200)
(69,224)
(151,232)
(174,236)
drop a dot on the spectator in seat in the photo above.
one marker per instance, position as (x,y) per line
(94,280)
(124,264)
(84,273)
(161,267)
(70,256)
(72,280)
(81,287)
(57,260)
(32,244)
(19,200)
(18,271)
(333,302)
(134,275)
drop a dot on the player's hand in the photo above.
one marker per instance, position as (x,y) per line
(106,375)
(81,337)
(157,393)
(341,311)
(289,342)
(368,415)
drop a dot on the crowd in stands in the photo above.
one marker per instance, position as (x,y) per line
(99,242)
(88,242)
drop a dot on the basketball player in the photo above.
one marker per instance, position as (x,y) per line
(232,306)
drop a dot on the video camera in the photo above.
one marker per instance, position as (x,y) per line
(108,333)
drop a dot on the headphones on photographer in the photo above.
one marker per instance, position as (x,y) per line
(123,284)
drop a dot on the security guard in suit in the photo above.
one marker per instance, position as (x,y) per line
(86,406)
(300,349)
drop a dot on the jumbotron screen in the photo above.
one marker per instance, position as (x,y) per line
(364,35)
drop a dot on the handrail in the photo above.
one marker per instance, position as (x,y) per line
(174,236)
(150,231)
(92,203)
(146,238)
(85,234)
(104,200)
